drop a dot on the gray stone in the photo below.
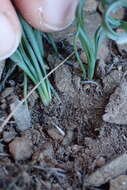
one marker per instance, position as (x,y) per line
(116,109)
(46,155)
(63,80)
(54,134)
(8,136)
(21,116)
(120,183)
(7,92)
(107,172)
(111,81)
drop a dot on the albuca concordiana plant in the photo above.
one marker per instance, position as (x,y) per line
(108,28)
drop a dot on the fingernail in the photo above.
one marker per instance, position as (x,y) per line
(8,37)
(63,17)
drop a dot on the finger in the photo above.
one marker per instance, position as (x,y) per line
(48,15)
(10,30)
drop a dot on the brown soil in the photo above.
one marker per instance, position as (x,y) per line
(58,161)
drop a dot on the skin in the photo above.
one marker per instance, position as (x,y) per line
(45,15)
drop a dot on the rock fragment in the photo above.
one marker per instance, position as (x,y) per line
(120,183)
(54,134)
(20,148)
(63,80)
(111,81)
(8,136)
(107,172)
(21,116)
(116,109)
(46,156)
(7,92)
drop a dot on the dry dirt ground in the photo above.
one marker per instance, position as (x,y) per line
(78,143)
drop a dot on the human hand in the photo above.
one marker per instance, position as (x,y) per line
(45,15)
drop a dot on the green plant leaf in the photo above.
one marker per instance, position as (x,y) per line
(111,24)
(89,46)
(29,57)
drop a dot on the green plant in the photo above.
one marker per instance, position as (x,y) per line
(111,24)
(106,29)
(89,46)
(30,58)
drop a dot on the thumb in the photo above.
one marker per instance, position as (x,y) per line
(48,15)
(10,30)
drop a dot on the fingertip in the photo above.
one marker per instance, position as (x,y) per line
(48,15)
(10,30)
(9,39)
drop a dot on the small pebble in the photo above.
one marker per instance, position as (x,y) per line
(3,106)
(100,162)
(8,136)
(22,115)
(107,172)
(20,148)
(54,133)
(8,91)
(26,178)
